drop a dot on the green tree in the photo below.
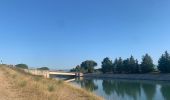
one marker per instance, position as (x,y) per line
(147,64)
(23,66)
(43,68)
(107,65)
(137,68)
(119,65)
(88,65)
(115,65)
(77,69)
(132,65)
(126,67)
(164,63)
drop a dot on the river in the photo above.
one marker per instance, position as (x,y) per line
(112,89)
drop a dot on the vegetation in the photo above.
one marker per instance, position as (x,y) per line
(31,87)
(23,66)
(43,68)
(164,63)
(88,65)
(128,66)
(107,65)
(85,67)
(147,64)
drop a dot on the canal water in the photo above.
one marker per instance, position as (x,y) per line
(126,89)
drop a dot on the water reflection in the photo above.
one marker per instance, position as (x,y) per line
(132,89)
(166,92)
(127,89)
(88,85)
(149,90)
(108,87)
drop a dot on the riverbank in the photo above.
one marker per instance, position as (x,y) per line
(19,85)
(155,77)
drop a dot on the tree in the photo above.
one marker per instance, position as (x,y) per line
(43,68)
(164,63)
(119,65)
(77,69)
(137,66)
(107,65)
(23,66)
(126,67)
(147,64)
(133,64)
(130,65)
(88,65)
(115,65)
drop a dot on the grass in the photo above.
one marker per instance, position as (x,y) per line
(32,87)
(51,88)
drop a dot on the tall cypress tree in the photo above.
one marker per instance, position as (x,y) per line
(147,64)
(133,66)
(164,63)
(119,67)
(115,65)
(126,67)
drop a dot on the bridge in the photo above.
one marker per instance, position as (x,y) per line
(47,74)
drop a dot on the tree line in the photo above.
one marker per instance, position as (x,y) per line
(127,66)
(24,66)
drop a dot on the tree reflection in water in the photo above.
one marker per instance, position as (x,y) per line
(122,88)
(88,84)
(149,90)
(165,89)
(127,89)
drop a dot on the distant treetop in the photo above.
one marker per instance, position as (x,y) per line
(23,66)
(43,68)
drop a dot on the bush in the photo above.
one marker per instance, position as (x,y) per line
(22,83)
(43,68)
(23,66)
(51,88)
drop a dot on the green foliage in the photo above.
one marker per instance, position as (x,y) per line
(164,63)
(88,66)
(23,66)
(118,65)
(107,65)
(115,65)
(129,65)
(126,67)
(133,64)
(147,64)
(78,69)
(43,68)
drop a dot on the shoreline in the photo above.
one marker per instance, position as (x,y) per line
(151,77)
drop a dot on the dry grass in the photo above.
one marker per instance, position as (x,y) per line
(38,88)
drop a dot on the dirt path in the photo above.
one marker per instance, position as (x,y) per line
(7,92)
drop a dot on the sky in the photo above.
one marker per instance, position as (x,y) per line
(60,34)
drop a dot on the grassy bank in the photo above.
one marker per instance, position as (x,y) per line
(32,87)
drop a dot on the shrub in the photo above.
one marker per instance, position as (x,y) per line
(23,66)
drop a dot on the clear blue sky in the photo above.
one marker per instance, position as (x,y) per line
(63,33)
